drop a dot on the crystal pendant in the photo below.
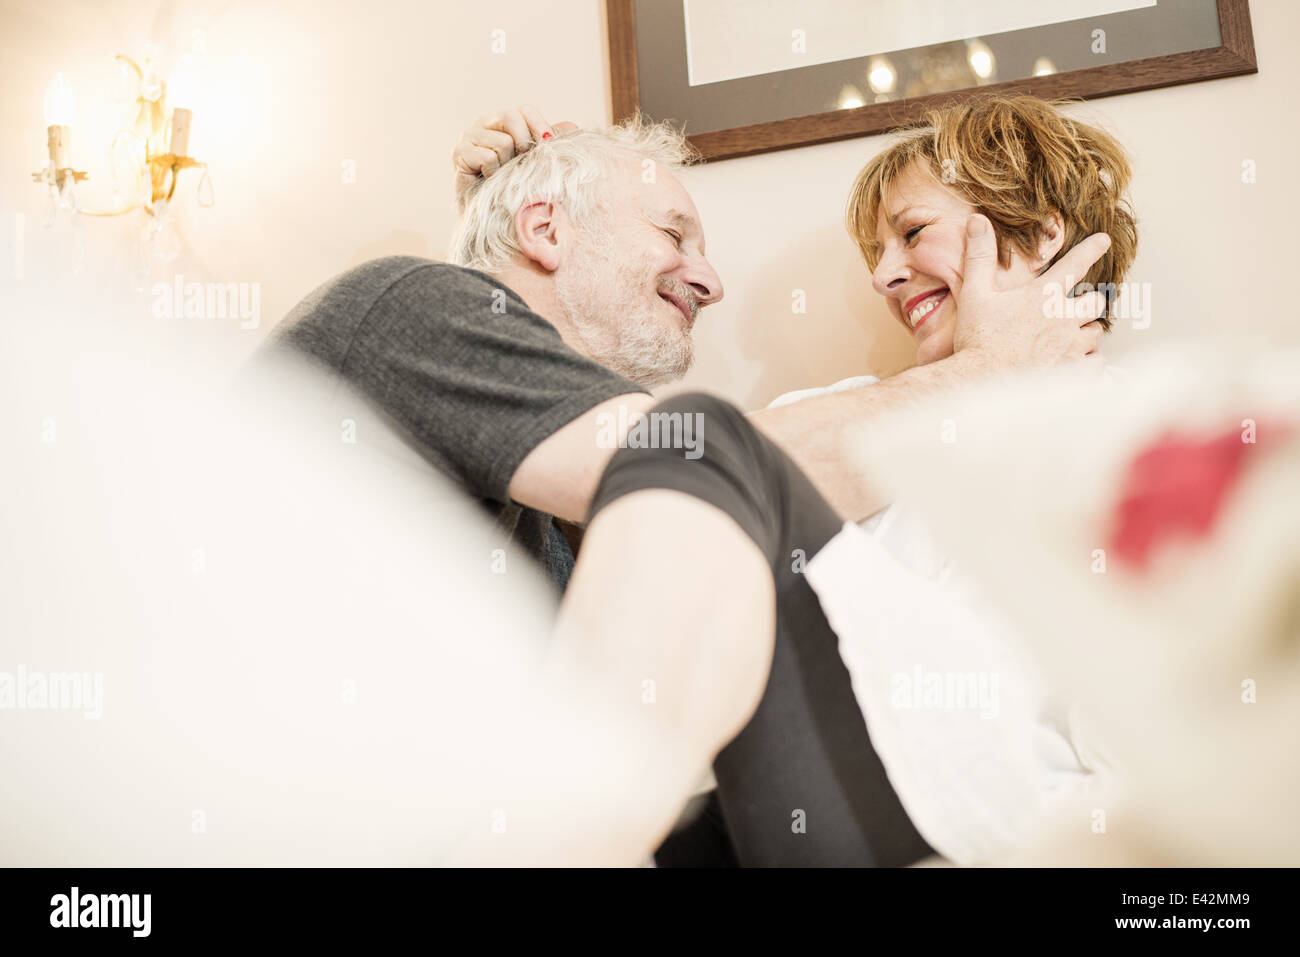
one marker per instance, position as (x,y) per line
(164,240)
(68,193)
(51,199)
(145,196)
(205,188)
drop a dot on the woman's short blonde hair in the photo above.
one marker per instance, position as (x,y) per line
(1017,160)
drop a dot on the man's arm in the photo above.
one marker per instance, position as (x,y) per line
(560,475)
(997,331)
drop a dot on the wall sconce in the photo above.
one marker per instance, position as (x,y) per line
(157,149)
(60,104)
(167,142)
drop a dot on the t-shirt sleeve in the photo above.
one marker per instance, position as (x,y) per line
(474,377)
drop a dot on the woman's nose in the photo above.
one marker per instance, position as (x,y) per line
(890,272)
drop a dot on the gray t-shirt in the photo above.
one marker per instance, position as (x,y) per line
(472,376)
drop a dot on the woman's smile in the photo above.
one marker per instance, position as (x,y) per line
(918,308)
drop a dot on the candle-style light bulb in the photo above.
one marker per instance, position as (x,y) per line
(181,87)
(60,102)
(180,97)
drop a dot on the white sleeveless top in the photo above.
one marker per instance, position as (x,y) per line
(973,741)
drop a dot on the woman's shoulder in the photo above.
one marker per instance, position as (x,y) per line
(853,382)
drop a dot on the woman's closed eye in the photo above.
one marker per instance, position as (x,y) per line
(911,233)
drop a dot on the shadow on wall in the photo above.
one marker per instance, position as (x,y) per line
(815,308)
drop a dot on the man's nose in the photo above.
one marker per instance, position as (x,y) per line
(699,275)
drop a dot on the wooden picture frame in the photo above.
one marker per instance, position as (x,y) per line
(1234,56)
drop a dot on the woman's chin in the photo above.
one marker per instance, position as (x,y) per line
(934,347)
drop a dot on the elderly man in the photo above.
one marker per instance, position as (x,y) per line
(581,271)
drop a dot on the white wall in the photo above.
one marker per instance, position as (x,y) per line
(292,89)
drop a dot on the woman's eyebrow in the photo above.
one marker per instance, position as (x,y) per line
(893,220)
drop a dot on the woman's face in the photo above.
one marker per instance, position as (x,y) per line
(922,236)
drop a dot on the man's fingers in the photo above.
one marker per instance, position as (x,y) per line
(1074,265)
(1087,308)
(981,251)
(1089,339)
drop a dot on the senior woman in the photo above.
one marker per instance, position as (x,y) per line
(968,789)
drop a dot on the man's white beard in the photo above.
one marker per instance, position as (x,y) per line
(605,300)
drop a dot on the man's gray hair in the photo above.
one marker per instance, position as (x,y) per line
(568,169)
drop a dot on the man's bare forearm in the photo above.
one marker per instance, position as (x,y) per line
(818,432)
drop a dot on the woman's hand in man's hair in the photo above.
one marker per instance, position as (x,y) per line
(493,140)
(1034,324)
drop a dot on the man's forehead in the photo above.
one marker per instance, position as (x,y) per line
(661,197)
(670,208)
(651,185)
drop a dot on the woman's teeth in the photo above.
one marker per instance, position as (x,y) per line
(925,308)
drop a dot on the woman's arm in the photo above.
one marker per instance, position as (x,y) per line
(998,331)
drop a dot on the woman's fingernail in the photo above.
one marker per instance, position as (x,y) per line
(547,135)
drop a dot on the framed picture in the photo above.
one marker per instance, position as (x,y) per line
(749,76)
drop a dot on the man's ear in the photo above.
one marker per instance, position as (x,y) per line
(1053,238)
(538,230)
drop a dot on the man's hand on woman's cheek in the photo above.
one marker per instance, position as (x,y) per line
(1015,327)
